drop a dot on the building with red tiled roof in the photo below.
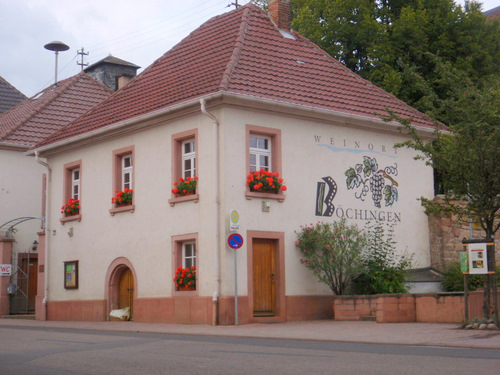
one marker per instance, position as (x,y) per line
(21,177)
(9,96)
(167,168)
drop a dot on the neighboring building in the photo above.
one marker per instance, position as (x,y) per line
(112,72)
(9,96)
(240,93)
(22,178)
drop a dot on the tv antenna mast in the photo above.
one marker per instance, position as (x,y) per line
(82,53)
(57,47)
(236,5)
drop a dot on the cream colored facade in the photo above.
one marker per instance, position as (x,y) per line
(314,145)
(20,195)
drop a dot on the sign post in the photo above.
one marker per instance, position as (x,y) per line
(235,241)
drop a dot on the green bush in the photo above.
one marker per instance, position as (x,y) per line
(453,280)
(383,271)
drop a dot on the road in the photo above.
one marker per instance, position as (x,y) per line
(54,351)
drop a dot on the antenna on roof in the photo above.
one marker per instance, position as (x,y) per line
(236,5)
(82,53)
(56,46)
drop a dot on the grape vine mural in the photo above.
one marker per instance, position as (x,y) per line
(367,177)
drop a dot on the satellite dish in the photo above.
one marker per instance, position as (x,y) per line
(57,47)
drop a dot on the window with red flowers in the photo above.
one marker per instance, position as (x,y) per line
(263,157)
(122,198)
(184,166)
(185,269)
(72,179)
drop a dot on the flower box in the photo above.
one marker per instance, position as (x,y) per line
(123,198)
(71,208)
(185,186)
(265,182)
(185,278)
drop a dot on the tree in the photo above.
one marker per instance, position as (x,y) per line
(466,155)
(398,44)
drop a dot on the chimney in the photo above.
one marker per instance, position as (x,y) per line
(279,11)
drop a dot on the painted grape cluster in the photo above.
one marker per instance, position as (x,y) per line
(367,177)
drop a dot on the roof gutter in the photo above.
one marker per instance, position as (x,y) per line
(47,237)
(217,212)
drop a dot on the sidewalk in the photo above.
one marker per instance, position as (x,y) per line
(426,334)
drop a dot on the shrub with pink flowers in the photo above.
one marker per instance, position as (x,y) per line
(333,252)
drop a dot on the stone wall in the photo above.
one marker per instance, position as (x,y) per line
(446,235)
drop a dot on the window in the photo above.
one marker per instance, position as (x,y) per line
(188,158)
(75,183)
(127,171)
(188,254)
(184,254)
(123,177)
(260,153)
(184,163)
(263,152)
(72,180)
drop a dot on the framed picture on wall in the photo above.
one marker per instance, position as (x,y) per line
(71,275)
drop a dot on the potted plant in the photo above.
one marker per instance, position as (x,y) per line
(123,198)
(265,181)
(185,186)
(185,278)
(71,208)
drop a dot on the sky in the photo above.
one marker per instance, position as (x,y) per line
(136,31)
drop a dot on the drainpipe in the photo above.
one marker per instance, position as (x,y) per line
(215,297)
(47,236)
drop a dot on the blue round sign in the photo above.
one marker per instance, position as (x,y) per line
(235,241)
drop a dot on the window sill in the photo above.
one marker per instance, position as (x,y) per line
(115,210)
(184,198)
(70,218)
(280,197)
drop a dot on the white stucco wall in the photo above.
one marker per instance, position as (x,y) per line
(21,196)
(312,150)
(144,236)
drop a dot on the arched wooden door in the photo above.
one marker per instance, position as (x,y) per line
(126,292)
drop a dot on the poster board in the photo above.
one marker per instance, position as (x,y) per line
(478,258)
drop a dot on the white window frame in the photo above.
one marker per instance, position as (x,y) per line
(127,171)
(259,152)
(189,156)
(191,259)
(75,183)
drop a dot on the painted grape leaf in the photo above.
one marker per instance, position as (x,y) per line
(352,178)
(390,194)
(370,165)
(359,168)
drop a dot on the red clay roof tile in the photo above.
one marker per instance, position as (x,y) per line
(50,110)
(243,52)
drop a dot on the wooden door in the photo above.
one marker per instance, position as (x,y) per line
(126,291)
(30,287)
(264,276)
